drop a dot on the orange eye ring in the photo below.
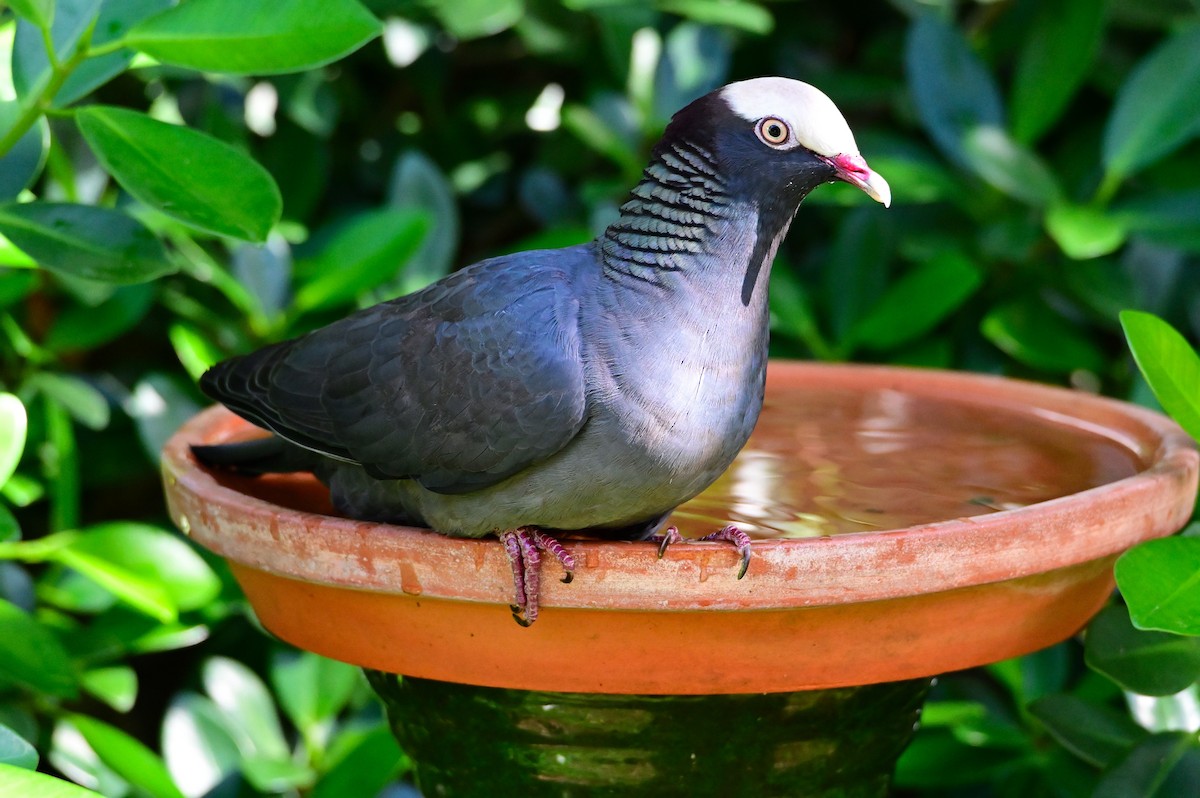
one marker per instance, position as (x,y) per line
(773,131)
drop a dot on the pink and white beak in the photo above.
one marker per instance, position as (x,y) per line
(854,170)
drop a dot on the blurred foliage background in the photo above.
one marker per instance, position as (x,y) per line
(180,183)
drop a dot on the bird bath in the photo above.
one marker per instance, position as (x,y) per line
(911,523)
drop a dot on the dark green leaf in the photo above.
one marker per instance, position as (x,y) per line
(198,748)
(862,250)
(1093,732)
(1160,580)
(116,686)
(16,751)
(127,757)
(365,252)
(1155,110)
(31,654)
(365,769)
(10,529)
(182,172)
(115,19)
(230,36)
(84,241)
(85,404)
(16,781)
(1169,364)
(418,184)
(1032,333)
(79,327)
(952,89)
(915,303)
(938,759)
(1146,767)
(37,12)
(13,425)
(1150,663)
(1009,167)
(1167,218)
(156,556)
(15,285)
(471,19)
(30,66)
(1084,231)
(312,689)
(23,163)
(1053,61)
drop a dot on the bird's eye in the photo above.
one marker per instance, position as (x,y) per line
(773,131)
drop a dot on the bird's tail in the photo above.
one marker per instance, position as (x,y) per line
(271,455)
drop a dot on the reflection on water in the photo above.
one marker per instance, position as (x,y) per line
(848,461)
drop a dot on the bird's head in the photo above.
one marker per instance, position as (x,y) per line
(778,139)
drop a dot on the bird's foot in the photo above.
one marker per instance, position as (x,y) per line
(728,533)
(524,546)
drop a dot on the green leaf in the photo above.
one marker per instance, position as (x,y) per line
(85,404)
(365,769)
(32,655)
(115,19)
(127,757)
(144,595)
(472,19)
(1160,580)
(1009,167)
(915,303)
(29,784)
(31,71)
(10,529)
(271,775)
(16,751)
(1084,231)
(1055,55)
(1146,768)
(1093,732)
(417,183)
(79,328)
(1149,663)
(199,751)
(952,90)
(195,350)
(13,426)
(312,689)
(862,249)
(232,37)
(85,241)
(159,404)
(183,173)
(21,165)
(37,12)
(368,250)
(161,560)
(247,708)
(1032,333)
(116,686)
(1155,110)
(739,14)
(1167,218)
(1170,365)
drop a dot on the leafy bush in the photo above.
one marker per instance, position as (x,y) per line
(181,182)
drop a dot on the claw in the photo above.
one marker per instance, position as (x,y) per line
(729,533)
(524,547)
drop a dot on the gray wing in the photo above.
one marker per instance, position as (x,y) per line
(458,386)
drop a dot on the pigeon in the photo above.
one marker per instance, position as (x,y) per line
(590,389)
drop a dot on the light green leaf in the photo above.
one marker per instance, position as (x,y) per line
(184,173)
(85,241)
(1149,663)
(38,12)
(746,16)
(144,595)
(1032,333)
(16,781)
(417,183)
(1084,231)
(1054,59)
(916,302)
(31,654)
(472,19)
(365,769)
(365,252)
(247,708)
(312,689)
(274,776)
(1170,365)
(16,751)
(116,685)
(85,404)
(195,350)
(1093,732)
(13,426)
(115,19)
(198,749)
(1010,167)
(1155,110)
(127,757)
(31,69)
(952,89)
(1160,580)
(231,36)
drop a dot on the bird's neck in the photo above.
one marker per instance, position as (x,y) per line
(682,227)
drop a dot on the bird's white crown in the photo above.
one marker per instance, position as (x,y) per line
(816,122)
